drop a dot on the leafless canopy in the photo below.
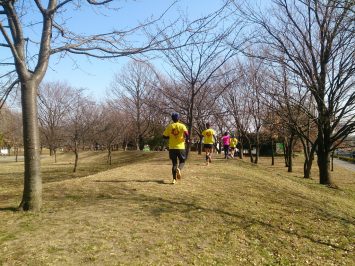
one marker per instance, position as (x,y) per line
(315,42)
(32,32)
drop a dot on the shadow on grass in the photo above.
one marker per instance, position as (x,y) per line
(162,182)
(244,222)
(9,209)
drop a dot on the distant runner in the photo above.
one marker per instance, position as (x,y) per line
(209,137)
(226,142)
(177,133)
(233,145)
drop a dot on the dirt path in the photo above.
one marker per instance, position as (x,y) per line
(344,164)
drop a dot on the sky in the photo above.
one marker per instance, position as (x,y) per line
(96,75)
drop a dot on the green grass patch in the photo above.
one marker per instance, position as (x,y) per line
(229,213)
(348,159)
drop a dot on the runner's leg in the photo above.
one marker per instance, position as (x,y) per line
(173,157)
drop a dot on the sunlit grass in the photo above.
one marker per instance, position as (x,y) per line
(230,213)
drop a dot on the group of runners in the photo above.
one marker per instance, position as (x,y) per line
(177,134)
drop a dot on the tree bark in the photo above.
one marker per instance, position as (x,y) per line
(32,193)
(241,150)
(290,161)
(290,154)
(324,165)
(109,155)
(285,153)
(324,145)
(199,145)
(332,161)
(76,152)
(309,156)
(272,153)
(250,152)
(16,154)
(257,148)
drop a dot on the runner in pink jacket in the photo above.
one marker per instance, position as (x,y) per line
(226,141)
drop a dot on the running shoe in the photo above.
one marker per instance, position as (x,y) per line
(178,173)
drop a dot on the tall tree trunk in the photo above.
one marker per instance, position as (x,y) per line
(188,147)
(200,145)
(324,165)
(190,120)
(109,156)
(307,167)
(285,153)
(16,154)
(272,152)
(241,150)
(189,137)
(324,146)
(332,162)
(32,192)
(251,155)
(309,157)
(76,152)
(257,151)
(257,148)
(290,154)
(250,151)
(140,142)
(290,160)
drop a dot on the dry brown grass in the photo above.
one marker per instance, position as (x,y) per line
(230,213)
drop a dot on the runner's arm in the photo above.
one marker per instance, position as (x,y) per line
(186,135)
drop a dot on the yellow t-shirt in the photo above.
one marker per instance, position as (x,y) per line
(233,142)
(208,136)
(175,132)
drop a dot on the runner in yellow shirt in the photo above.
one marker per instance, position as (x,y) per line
(209,138)
(176,132)
(233,145)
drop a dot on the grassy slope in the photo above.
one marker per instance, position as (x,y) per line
(230,213)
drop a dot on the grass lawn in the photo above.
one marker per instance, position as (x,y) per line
(229,213)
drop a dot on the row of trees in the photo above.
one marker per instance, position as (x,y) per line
(287,73)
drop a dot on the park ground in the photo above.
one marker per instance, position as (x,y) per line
(229,213)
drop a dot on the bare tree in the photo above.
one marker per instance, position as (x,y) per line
(238,101)
(110,128)
(55,101)
(8,83)
(296,110)
(20,20)
(314,40)
(196,65)
(11,129)
(132,89)
(82,118)
(255,82)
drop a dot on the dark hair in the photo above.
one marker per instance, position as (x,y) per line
(208,125)
(226,133)
(175,117)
